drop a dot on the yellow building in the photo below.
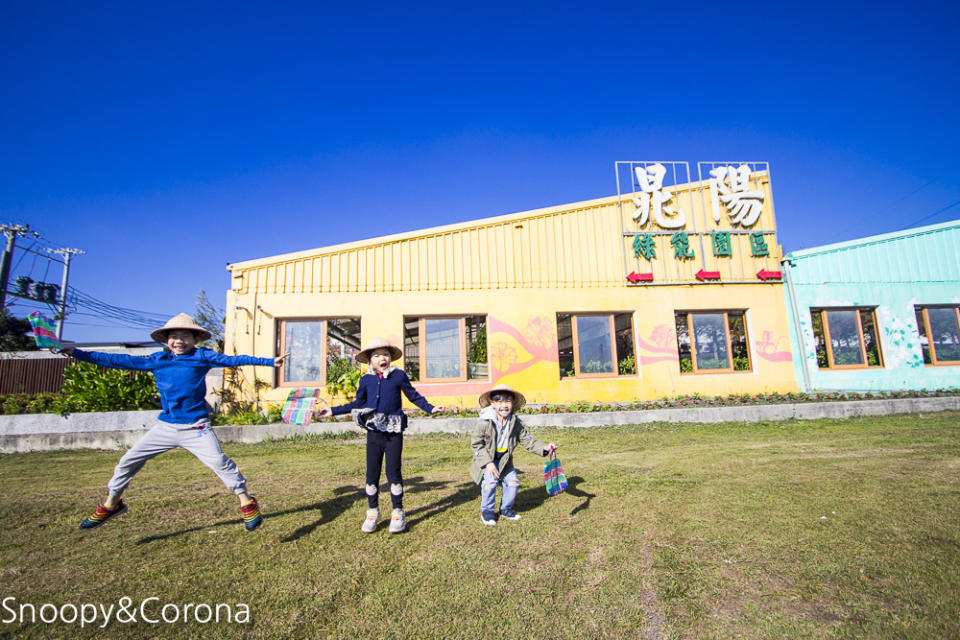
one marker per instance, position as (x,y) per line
(657,292)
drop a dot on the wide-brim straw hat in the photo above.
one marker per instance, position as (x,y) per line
(378,343)
(518,400)
(180,321)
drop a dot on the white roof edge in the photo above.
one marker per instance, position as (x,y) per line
(520,215)
(868,240)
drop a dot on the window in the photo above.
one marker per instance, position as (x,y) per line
(449,348)
(321,350)
(595,344)
(846,338)
(939,327)
(712,341)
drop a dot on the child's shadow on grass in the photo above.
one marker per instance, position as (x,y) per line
(329,509)
(465,492)
(529,499)
(347,495)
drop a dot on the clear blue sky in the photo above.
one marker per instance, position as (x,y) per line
(169,140)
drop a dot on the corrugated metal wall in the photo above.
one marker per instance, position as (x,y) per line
(927,256)
(577,247)
(39,375)
(892,273)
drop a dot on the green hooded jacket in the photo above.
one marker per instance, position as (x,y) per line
(483,441)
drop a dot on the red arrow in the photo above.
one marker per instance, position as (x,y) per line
(638,277)
(707,275)
(763,274)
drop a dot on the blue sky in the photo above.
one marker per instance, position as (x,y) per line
(168,140)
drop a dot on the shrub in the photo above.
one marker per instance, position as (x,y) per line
(87,387)
(346,385)
(17,403)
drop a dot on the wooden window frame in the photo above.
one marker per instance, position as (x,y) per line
(422,347)
(929,334)
(281,348)
(825,324)
(610,315)
(729,341)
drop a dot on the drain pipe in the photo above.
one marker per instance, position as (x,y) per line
(791,293)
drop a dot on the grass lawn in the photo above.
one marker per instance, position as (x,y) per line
(801,529)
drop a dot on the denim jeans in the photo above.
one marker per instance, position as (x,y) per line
(488,490)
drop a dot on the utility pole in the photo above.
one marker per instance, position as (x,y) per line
(12,231)
(61,316)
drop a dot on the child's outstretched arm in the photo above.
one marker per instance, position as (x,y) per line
(222,360)
(111,360)
(533,445)
(358,401)
(414,396)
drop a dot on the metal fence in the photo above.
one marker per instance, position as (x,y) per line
(32,375)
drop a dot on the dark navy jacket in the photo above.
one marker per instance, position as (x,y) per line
(180,379)
(380,397)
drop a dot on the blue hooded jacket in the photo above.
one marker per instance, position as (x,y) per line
(180,379)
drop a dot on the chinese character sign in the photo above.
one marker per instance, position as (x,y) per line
(652,197)
(758,245)
(644,245)
(731,187)
(681,246)
(721,244)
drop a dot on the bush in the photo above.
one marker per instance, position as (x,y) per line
(346,384)
(87,387)
(244,414)
(17,403)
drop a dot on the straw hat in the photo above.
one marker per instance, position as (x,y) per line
(518,399)
(378,343)
(180,321)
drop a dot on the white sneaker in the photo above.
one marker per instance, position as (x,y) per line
(370,524)
(398,521)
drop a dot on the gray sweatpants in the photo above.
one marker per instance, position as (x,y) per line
(198,438)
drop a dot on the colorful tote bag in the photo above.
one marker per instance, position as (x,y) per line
(299,406)
(44,333)
(553,478)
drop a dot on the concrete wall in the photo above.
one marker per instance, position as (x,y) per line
(46,432)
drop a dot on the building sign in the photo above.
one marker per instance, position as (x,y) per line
(675,229)
(650,181)
(731,186)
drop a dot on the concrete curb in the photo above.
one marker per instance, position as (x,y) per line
(45,432)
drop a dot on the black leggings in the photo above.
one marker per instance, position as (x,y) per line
(380,444)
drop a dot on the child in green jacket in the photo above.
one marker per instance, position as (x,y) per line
(493,440)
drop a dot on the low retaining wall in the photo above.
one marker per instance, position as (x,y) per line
(43,432)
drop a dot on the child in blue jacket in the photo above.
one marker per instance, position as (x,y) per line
(185,420)
(378,408)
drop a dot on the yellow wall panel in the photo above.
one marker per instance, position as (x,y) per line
(521,270)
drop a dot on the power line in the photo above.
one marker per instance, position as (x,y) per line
(932,215)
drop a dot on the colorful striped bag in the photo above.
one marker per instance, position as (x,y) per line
(44,333)
(299,406)
(553,477)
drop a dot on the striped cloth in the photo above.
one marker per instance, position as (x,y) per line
(553,477)
(299,406)
(44,333)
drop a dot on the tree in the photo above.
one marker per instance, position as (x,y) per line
(210,318)
(13,333)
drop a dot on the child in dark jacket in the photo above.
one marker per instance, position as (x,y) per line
(378,408)
(185,420)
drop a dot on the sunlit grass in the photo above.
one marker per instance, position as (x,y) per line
(828,528)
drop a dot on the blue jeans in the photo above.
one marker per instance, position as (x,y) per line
(488,490)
